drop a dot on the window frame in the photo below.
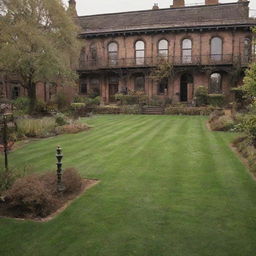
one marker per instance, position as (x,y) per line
(186,58)
(113,60)
(140,60)
(216,57)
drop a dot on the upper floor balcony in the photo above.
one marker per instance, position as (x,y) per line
(188,60)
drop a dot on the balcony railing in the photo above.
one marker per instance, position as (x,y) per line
(204,60)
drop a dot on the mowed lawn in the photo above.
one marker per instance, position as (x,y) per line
(169,187)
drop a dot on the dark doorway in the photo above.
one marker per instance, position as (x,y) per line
(113,88)
(184,81)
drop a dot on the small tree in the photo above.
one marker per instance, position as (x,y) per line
(163,70)
(38,42)
(250,79)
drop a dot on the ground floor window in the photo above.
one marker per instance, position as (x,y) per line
(139,83)
(163,87)
(15,92)
(83,87)
(94,88)
(215,85)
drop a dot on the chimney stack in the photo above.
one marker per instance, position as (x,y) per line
(211,2)
(178,3)
(72,7)
(155,6)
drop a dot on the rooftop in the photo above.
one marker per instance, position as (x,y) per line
(203,15)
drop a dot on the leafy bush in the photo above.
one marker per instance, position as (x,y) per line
(247,150)
(36,195)
(61,119)
(159,101)
(216,100)
(189,110)
(130,109)
(107,110)
(73,127)
(249,127)
(22,104)
(72,181)
(61,100)
(41,107)
(32,127)
(223,123)
(201,95)
(216,114)
(132,98)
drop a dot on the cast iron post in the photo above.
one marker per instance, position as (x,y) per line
(59,156)
(5,142)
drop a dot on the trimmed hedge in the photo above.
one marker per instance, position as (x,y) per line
(216,100)
(191,111)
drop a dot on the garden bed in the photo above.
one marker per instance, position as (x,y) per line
(35,197)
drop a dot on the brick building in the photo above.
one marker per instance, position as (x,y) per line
(207,45)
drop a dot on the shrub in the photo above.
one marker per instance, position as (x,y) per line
(130,109)
(216,100)
(36,195)
(189,110)
(72,181)
(223,123)
(41,107)
(30,197)
(132,98)
(216,114)
(107,110)
(32,127)
(22,104)
(159,101)
(61,100)
(60,119)
(201,95)
(249,127)
(73,127)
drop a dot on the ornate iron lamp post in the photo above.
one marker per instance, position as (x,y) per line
(59,156)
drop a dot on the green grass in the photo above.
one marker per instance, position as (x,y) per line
(169,187)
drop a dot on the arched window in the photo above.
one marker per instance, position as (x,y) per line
(247,49)
(139,83)
(140,52)
(93,54)
(215,83)
(112,53)
(216,49)
(82,57)
(163,49)
(186,51)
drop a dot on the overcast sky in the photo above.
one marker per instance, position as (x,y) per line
(88,7)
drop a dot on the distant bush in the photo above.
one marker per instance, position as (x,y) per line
(107,110)
(130,109)
(61,100)
(201,96)
(247,150)
(60,119)
(132,98)
(36,195)
(249,127)
(223,123)
(216,100)
(33,127)
(21,104)
(73,127)
(159,101)
(188,110)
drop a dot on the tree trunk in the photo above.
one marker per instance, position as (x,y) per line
(32,96)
